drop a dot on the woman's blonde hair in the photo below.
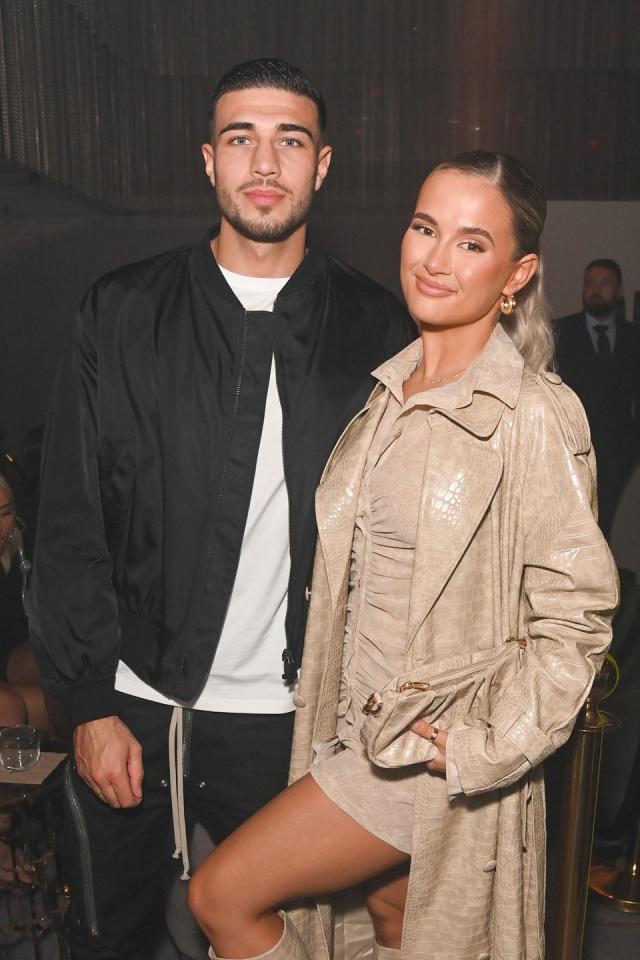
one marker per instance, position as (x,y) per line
(529,325)
(15,540)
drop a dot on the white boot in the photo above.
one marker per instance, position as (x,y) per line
(288,947)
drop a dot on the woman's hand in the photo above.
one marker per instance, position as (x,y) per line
(438,738)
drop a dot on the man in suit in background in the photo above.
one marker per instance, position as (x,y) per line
(598,355)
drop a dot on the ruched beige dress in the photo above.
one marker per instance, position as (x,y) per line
(376,626)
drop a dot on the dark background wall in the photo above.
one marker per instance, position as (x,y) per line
(103,109)
(109,96)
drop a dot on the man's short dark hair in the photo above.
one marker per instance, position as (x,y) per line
(269,72)
(607,264)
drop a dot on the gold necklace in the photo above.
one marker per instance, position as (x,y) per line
(437,380)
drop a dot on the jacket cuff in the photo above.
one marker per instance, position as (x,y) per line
(89,699)
(529,739)
(484,762)
(454,787)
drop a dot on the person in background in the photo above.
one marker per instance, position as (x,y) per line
(195,406)
(462,586)
(28,490)
(21,697)
(598,356)
(13,572)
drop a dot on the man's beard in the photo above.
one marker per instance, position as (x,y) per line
(597,308)
(260,229)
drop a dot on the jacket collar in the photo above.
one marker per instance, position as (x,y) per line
(312,267)
(492,381)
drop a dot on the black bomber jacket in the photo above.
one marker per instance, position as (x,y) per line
(150,453)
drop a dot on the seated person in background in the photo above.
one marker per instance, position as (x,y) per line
(27,491)
(22,698)
(12,710)
(598,355)
(13,620)
(13,624)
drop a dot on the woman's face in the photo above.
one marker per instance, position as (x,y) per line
(7,518)
(457,256)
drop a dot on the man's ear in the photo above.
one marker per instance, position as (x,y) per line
(522,272)
(322,167)
(208,155)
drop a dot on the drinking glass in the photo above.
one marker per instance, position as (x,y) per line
(19,747)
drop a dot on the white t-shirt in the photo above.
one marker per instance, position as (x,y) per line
(246,674)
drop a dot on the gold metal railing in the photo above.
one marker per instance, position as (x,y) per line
(620,887)
(577,820)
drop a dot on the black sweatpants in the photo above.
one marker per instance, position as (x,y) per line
(116,861)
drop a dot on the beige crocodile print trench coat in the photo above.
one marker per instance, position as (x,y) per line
(507,546)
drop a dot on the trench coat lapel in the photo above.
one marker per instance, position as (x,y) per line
(337,495)
(461,477)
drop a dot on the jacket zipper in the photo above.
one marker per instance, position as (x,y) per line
(223,475)
(86,866)
(289,672)
(462,671)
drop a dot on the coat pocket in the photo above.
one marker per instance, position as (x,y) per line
(450,693)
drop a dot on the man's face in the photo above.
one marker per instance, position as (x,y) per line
(265,161)
(600,291)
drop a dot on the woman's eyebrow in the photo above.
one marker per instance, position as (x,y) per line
(479,231)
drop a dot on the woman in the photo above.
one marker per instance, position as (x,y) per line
(22,698)
(13,621)
(454,515)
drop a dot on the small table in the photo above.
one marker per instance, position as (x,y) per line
(30,816)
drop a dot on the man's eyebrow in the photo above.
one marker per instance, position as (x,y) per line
(282,127)
(479,231)
(295,128)
(237,125)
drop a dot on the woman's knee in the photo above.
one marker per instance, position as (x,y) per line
(12,707)
(22,667)
(218,897)
(204,897)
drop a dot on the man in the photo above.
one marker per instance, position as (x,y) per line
(598,355)
(193,412)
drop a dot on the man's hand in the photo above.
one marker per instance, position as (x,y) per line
(109,760)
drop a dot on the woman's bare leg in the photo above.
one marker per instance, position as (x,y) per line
(385,897)
(22,667)
(33,697)
(301,844)
(13,709)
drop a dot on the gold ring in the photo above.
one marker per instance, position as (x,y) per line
(433,736)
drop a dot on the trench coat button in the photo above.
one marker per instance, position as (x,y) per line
(307,594)
(299,701)
(552,377)
(488,867)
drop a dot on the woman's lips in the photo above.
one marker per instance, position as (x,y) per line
(431,289)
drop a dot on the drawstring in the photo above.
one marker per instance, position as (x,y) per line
(176,779)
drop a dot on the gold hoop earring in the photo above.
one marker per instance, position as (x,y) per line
(507,304)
